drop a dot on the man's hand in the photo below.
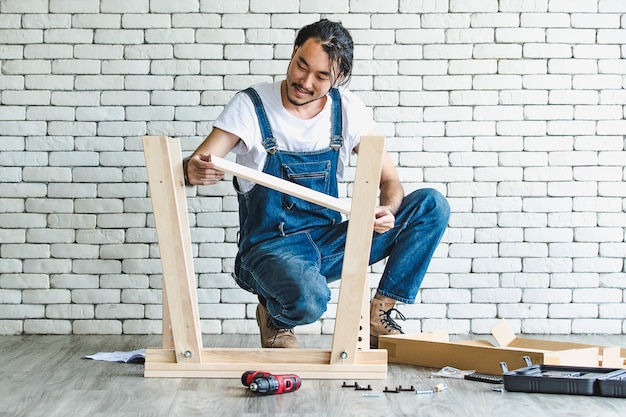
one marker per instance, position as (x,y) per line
(199,170)
(384,220)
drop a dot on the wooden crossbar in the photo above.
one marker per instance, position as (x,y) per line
(279,184)
(182,353)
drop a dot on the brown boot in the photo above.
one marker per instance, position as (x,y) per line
(272,337)
(381,323)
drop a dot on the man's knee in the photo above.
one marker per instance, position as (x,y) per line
(432,203)
(295,294)
(309,306)
(441,205)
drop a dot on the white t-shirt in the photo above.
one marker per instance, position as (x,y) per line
(291,133)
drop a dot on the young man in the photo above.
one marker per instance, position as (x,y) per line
(304,129)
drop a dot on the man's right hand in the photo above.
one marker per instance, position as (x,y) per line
(199,170)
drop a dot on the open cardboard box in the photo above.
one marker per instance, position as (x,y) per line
(434,350)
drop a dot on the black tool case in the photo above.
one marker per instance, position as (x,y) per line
(555,379)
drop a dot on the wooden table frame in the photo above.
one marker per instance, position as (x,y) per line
(182,353)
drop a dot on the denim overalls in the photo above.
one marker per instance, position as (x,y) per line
(290,249)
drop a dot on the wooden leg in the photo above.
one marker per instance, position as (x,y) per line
(167,189)
(349,326)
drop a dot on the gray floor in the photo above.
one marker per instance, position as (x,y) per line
(45,376)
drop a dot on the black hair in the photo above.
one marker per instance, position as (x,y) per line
(336,41)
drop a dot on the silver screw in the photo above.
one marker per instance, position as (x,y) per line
(187,354)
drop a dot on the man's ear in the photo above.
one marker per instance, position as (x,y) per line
(295,48)
(338,79)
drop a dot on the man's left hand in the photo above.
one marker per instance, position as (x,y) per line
(384,220)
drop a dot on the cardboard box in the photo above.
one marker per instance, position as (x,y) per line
(434,350)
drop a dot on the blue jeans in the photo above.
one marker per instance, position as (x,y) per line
(291,273)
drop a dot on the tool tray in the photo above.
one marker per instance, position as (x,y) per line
(555,379)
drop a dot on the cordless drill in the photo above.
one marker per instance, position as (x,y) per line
(248,376)
(261,382)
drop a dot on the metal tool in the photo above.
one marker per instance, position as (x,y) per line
(436,388)
(275,384)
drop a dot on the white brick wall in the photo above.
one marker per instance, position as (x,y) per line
(514,109)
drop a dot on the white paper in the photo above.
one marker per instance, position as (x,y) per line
(135,356)
(450,372)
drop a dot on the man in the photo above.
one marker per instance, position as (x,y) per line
(304,129)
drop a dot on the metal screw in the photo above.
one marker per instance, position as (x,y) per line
(187,354)
(343,355)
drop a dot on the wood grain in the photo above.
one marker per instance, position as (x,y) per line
(167,191)
(352,323)
(281,185)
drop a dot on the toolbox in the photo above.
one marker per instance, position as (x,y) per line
(557,379)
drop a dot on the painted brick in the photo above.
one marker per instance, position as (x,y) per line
(523,97)
(25,251)
(473,310)
(99,236)
(24,281)
(523,250)
(10,297)
(119,311)
(70,311)
(143,327)
(447,51)
(553,265)
(547,326)
(501,265)
(549,235)
(594,265)
(10,265)
(458,326)
(88,266)
(568,280)
(37,205)
(541,296)
(47,326)
(461,250)
(606,326)
(424,6)
(522,311)
(97,327)
(95,296)
(612,249)
(613,311)
(526,280)
(47,296)
(124,281)
(21,311)
(72,281)
(445,296)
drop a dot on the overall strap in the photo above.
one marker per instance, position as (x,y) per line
(269,142)
(336,140)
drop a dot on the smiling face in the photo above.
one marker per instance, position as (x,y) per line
(310,75)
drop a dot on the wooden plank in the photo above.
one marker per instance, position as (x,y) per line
(232,362)
(281,185)
(167,337)
(353,372)
(354,280)
(164,166)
